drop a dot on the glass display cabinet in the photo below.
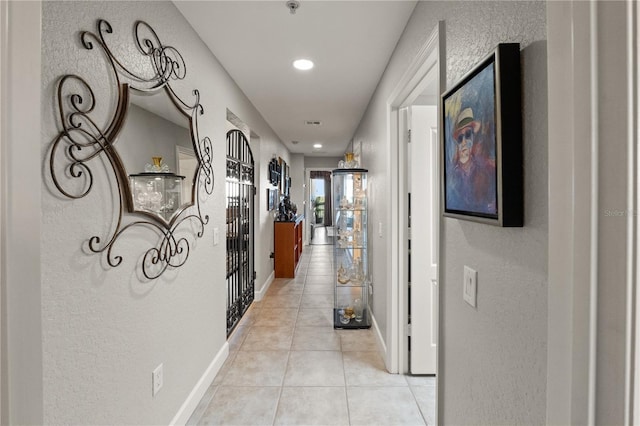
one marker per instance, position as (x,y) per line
(350,254)
(156,192)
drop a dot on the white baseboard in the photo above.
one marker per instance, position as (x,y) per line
(258,295)
(382,347)
(191,403)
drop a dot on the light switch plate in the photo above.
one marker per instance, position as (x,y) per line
(216,236)
(470,286)
(157,379)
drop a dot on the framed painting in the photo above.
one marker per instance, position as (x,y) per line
(272,199)
(282,168)
(274,172)
(482,172)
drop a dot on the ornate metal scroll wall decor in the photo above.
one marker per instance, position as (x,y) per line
(83,140)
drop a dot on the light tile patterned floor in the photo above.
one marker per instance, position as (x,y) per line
(288,366)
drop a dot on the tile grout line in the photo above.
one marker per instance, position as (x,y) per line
(424,418)
(286,367)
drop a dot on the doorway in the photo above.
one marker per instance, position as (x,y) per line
(320,216)
(414,299)
(422,217)
(240,193)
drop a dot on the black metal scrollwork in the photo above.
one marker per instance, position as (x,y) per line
(82,140)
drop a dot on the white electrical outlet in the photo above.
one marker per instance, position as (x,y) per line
(157,377)
(470,286)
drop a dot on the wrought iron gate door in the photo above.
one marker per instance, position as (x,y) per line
(240,242)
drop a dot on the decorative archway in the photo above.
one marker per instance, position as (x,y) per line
(240,192)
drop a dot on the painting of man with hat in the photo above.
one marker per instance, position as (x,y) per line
(470,147)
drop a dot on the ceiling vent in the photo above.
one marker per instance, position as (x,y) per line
(313,123)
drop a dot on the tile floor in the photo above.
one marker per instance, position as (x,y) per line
(321,235)
(288,366)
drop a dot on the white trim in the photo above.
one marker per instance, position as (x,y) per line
(428,60)
(382,348)
(416,71)
(593,254)
(635,119)
(191,403)
(631,357)
(393,249)
(4,76)
(259,295)
(404,124)
(22,215)
(573,68)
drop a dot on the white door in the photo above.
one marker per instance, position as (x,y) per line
(424,209)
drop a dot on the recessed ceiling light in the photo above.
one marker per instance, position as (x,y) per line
(303,64)
(317,145)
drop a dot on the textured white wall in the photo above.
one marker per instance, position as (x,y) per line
(263,151)
(104,330)
(493,358)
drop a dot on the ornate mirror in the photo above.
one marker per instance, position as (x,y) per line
(150,141)
(157,152)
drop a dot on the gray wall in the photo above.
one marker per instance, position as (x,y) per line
(322,162)
(296,171)
(103,328)
(148,135)
(493,358)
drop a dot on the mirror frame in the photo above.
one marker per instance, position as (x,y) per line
(82,140)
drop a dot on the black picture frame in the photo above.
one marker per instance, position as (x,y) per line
(481,142)
(272,199)
(274,172)
(282,174)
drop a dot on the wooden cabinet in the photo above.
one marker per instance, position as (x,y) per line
(287,241)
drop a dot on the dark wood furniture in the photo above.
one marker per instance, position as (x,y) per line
(287,242)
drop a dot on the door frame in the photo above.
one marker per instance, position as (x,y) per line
(429,63)
(307,204)
(20,279)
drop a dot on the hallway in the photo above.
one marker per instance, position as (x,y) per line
(322,235)
(287,365)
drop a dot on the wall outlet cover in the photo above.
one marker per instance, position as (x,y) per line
(470,286)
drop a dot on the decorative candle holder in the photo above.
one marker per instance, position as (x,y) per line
(349,161)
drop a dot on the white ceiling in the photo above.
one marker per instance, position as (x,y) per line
(349,41)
